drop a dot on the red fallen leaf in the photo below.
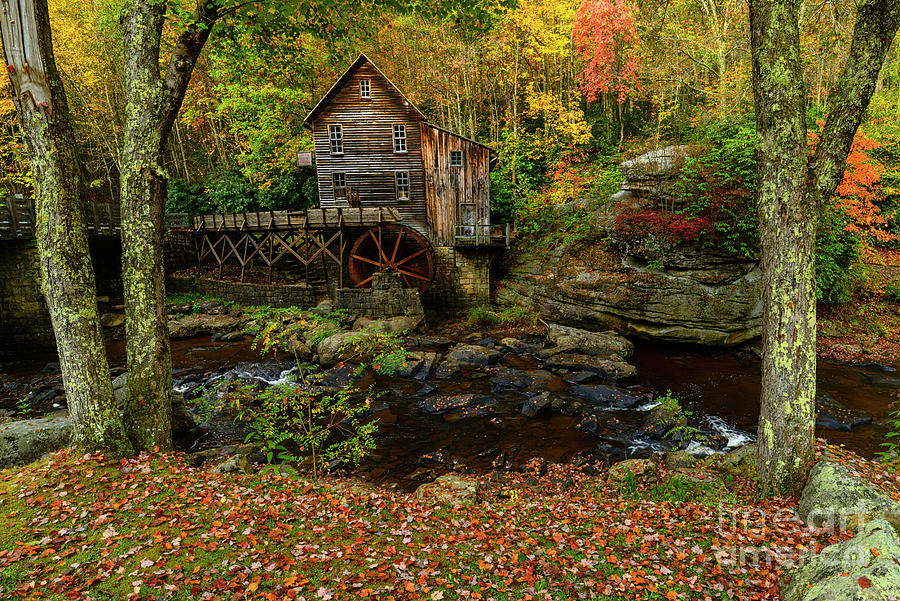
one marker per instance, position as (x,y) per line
(864,582)
(409,586)
(874,552)
(558,537)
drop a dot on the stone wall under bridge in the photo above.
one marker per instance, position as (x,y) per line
(24,319)
(462,279)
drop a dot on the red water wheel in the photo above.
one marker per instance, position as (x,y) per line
(393,248)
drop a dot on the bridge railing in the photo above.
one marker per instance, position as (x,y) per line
(16,217)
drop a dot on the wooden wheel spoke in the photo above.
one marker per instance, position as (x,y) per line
(397,246)
(365,260)
(378,245)
(365,281)
(411,257)
(403,275)
(418,276)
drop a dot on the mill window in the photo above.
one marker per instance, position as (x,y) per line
(365,88)
(400,138)
(402,185)
(456,158)
(340,186)
(336,135)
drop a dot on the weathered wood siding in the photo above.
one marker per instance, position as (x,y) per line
(454,195)
(369,161)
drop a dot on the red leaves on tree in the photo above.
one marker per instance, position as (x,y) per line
(606,40)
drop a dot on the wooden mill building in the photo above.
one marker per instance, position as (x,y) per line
(374,148)
(397,195)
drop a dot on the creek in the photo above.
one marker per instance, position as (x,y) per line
(719,387)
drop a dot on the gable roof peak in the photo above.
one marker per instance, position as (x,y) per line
(361,59)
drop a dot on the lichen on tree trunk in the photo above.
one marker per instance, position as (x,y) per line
(791,191)
(152,103)
(67,276)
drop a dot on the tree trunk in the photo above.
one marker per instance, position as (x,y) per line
(152,103)
(787,228)
(790,194)
(148,404)
(66,271)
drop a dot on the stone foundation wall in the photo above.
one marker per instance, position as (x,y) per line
(296,295)
(462,280)
(388,297)
(179,251)
(24,321)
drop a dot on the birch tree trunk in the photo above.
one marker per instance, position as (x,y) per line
(67,276)
(152,103)
(790,194)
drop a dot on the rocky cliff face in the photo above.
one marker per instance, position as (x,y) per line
(641,285)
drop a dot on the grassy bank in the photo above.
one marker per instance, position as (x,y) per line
(155,528)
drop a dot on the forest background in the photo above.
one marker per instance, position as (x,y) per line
(564,90)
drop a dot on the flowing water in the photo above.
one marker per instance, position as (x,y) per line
(720,388)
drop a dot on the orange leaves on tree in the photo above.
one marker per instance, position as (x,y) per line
(860,191)
(606,40)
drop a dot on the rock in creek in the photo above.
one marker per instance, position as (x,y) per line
(536,405)
(877,380)
(831,414)
(606,396)
(203,324)
(467,355)
(505,379)
(606,345)
(457,403)
(606,369)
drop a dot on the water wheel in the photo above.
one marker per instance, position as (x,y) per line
(393,248)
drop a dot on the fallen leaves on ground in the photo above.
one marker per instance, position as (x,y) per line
(153,527)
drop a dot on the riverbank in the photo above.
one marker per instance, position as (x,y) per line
(154,527)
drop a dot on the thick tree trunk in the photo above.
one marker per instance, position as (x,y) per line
(67,274)
(151,107)
(787,216)
(790,193)
(148,410)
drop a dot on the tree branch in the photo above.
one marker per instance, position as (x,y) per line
(876,26)
(184,58)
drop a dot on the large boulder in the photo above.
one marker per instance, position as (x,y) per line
(201,324)
(607,345)
(390,325)
(345,346)
(24,441)
(449,490)
(864,568)
(643,284)
(654,175)
(467,355)
(835,497)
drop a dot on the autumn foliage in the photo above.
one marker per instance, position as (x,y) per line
(860,192)
(606,40)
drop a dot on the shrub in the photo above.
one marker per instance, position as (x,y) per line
(663,225)
(836,251)
(294,423)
